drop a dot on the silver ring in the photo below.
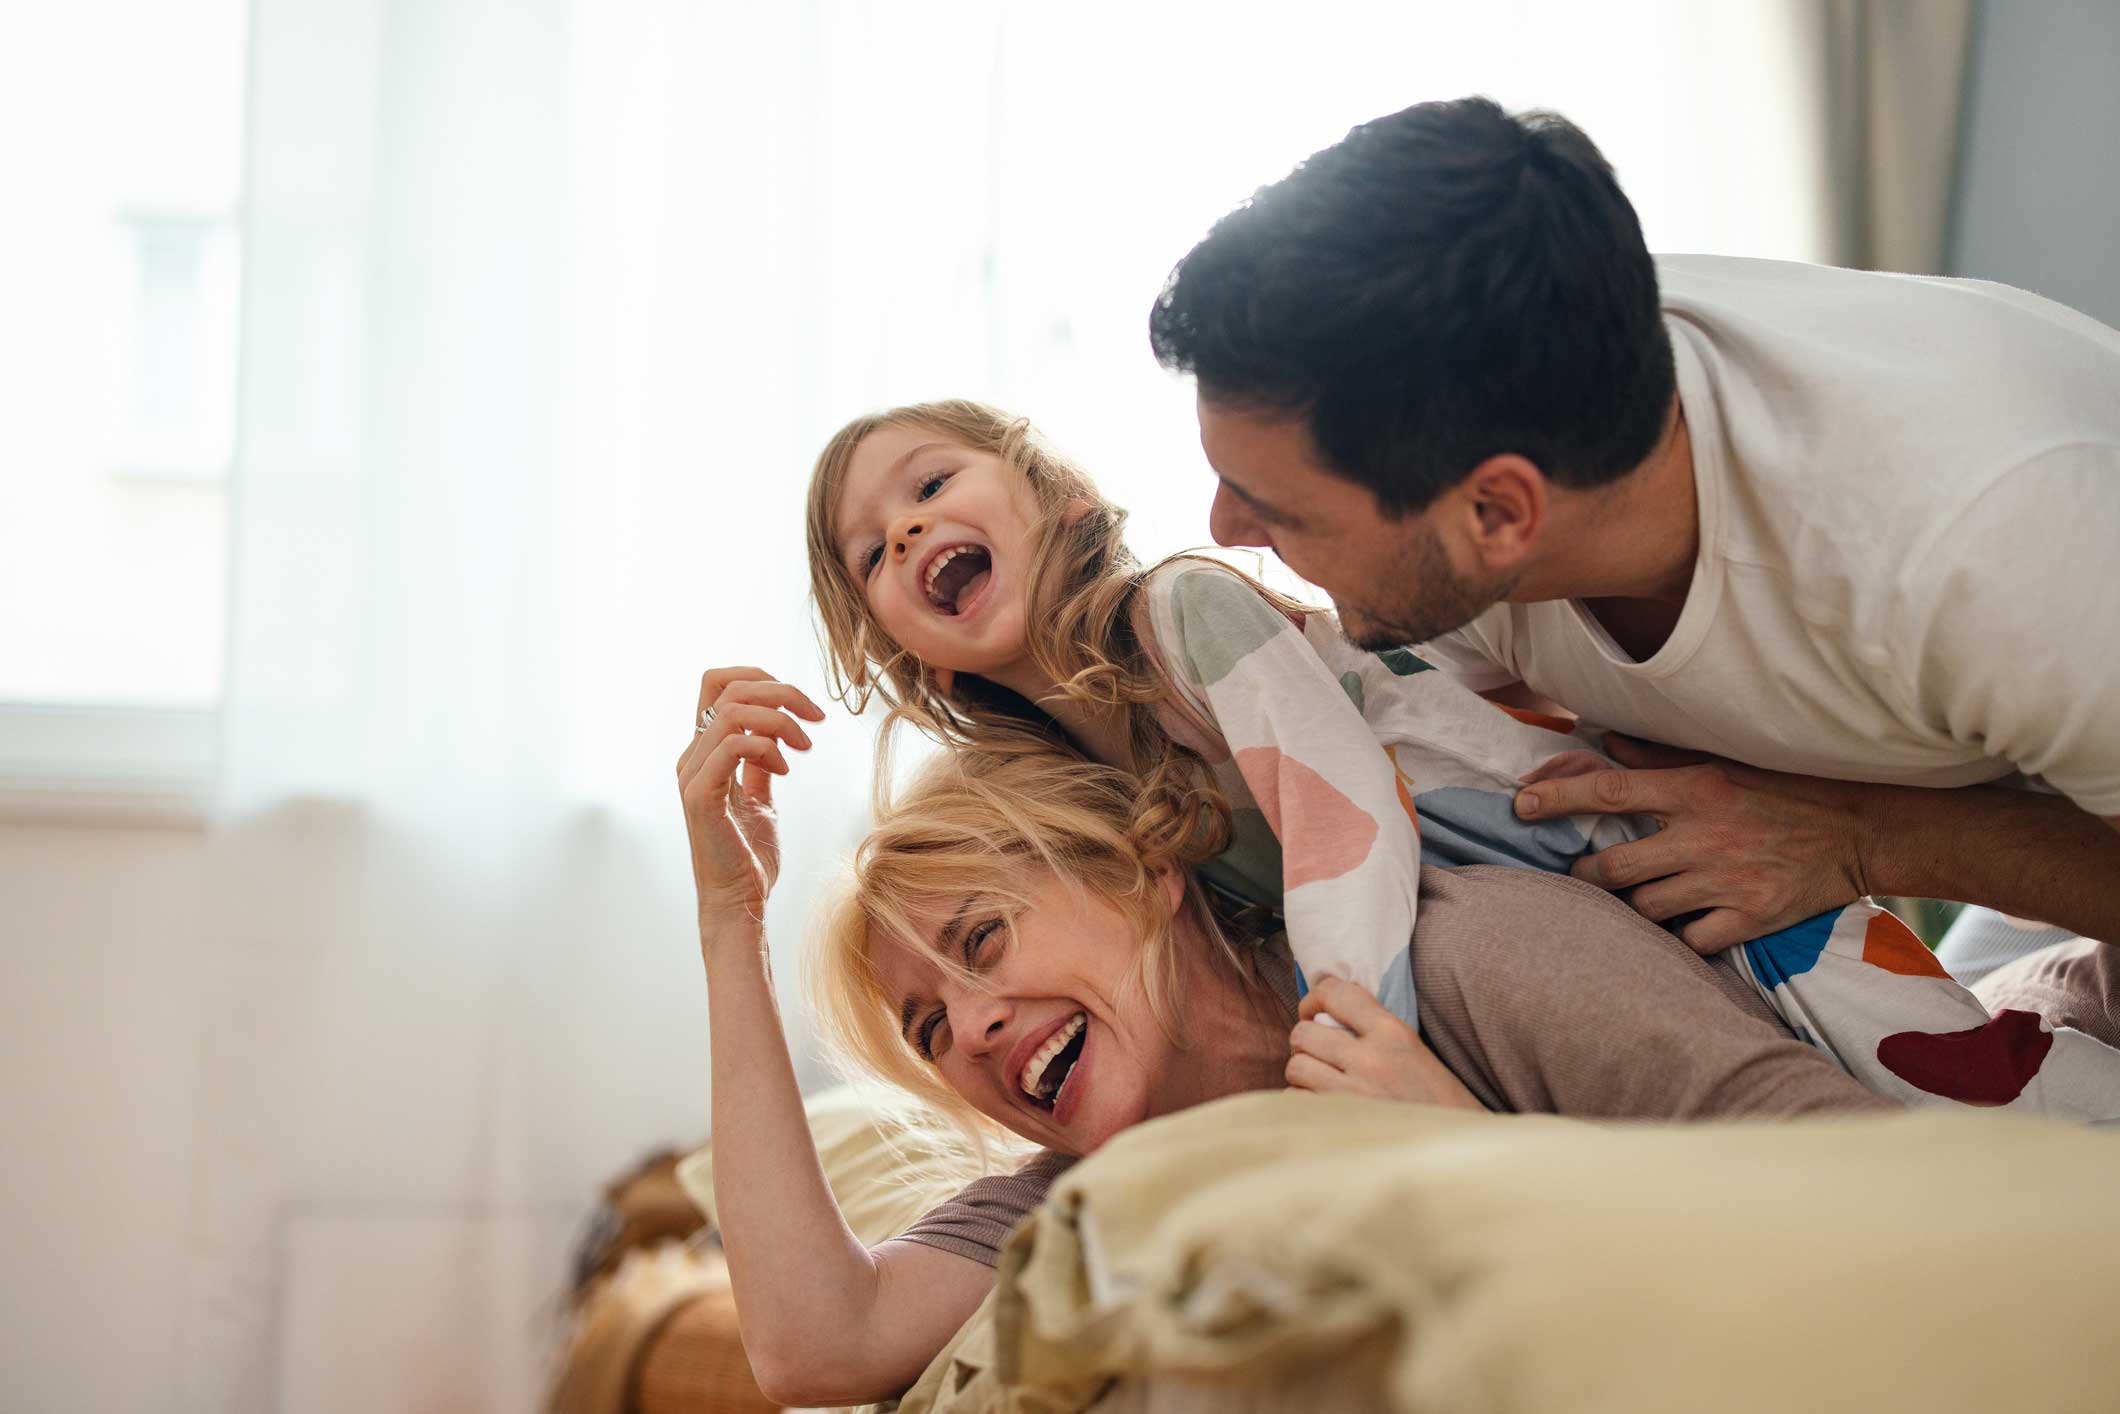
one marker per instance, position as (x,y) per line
(706,719)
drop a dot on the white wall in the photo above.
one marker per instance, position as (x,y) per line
(2038,202)
(146,1145)
(100,1053)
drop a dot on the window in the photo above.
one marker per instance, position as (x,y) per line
(121,137)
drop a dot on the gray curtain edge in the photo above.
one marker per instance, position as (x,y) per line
(1895,76)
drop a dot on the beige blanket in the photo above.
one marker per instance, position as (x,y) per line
(1431,1261)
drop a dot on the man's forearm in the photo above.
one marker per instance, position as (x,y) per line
(2015,851)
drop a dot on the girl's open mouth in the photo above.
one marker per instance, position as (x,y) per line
(957,577)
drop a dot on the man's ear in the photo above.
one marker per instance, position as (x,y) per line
(1502,510)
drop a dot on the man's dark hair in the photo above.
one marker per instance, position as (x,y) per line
(1442,285)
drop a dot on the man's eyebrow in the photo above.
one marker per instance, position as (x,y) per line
(1271,512)
(850,546)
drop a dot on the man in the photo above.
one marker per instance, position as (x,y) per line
(1850,530)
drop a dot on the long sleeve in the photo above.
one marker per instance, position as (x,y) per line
(1350,847)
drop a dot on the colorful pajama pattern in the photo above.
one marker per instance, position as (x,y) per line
(1348,770)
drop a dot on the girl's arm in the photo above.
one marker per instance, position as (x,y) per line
(1350,848)
(825,1320)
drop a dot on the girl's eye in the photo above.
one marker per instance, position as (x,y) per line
(929,487)
(869,561)
(926,1036)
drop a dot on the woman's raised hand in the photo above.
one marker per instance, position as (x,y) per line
(725,778)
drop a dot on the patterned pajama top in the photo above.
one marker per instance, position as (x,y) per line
(1347,770)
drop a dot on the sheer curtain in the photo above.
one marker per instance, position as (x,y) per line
(549,304)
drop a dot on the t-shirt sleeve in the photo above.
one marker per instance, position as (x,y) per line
(2014,629)
(1350,849)
(1468,655)
(978,1220)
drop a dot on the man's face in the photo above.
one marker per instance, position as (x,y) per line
(1393,579)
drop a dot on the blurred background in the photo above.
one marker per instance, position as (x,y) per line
(407,399)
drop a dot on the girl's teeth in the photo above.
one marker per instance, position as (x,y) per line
(936,568)
(1034,1068)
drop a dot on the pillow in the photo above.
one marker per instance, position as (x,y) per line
(618,1319)
(1934,1261)
(884,1176)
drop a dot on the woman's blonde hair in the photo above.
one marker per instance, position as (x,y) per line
(985,823)
(1083,583)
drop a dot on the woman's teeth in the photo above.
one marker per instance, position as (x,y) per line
(1033,1077)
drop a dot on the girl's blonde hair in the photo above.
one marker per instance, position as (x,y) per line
(984,824)
(1083,583)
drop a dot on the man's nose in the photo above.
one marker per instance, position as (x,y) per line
(904,537)
(1232,523)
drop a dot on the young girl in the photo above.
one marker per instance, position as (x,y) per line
(975,581)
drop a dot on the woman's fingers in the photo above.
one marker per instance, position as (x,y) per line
(724,777)
(768,692)
(707,791)
(714,681)
(757,782)
(757,686)
(746,700)
(759,721)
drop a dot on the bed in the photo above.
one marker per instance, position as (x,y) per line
(1277,1250)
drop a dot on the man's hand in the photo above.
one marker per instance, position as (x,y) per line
(1750,850)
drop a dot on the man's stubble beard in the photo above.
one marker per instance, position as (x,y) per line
(1448,600)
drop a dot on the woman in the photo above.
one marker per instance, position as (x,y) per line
(1026,954)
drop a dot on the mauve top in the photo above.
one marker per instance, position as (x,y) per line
(1544,995)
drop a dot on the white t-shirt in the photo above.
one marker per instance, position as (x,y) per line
(1909,496)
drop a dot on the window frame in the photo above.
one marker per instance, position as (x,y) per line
(108,764)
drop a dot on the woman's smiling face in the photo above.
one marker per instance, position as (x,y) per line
(939,538)
(1052,1037)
